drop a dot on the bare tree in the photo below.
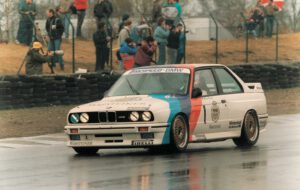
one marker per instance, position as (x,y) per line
(295,14)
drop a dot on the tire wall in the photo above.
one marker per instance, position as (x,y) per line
(37,91)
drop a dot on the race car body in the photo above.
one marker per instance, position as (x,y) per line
(170,106)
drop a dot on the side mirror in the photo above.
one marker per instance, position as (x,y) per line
(197,92)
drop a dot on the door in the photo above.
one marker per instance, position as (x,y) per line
(214,111)
(233,98)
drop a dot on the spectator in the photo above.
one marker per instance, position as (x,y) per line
(145,53)
(171,11)
(140,31)
(103,10)
(81,6)
(125,18)
(127,51)
(35,60)
(55,30)
(182,40)
(27,10)
(258,17)
(173,45)
(65,12)
(125,32)
(101,41)
(270,9)
(161,35)
(250,26)
(156,12)
(179,8)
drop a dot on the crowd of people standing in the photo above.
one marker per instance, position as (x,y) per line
(165,34)
(260,21)
(138,41)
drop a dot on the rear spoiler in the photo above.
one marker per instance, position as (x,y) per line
(255,87)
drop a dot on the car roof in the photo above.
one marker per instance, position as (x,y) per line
(189,66)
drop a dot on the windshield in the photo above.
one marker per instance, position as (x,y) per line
(146,82)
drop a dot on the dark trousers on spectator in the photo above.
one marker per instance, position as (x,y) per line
(269,26)
(25,32)
(80,17)
(101,58)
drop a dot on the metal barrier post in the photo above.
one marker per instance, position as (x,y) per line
(277,41)
(184,33)
(247,39)
(217,39)
(73,44)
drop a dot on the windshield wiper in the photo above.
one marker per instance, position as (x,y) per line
(132,89)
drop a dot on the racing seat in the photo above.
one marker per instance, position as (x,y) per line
(203,86)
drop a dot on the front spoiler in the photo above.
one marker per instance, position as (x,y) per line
(116,136)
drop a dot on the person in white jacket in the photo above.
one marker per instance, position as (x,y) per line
(125,32)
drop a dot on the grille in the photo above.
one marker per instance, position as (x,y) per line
(111,117)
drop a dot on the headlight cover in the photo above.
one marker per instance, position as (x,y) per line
(146,116)
(74,118)
(84,118)
(134,116)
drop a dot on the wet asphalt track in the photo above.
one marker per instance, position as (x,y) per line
(42,163)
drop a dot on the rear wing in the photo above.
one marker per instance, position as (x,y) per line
(255,87)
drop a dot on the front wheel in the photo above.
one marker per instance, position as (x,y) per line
(250,131)
(179,134)
(86,150)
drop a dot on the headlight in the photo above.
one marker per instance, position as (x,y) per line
(74,118)
(134,116)
(84,118)
(146,116)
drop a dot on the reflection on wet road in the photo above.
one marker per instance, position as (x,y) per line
(45,163)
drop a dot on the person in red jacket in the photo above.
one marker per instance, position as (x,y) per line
(81,6)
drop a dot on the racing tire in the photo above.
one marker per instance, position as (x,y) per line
(250,131)
(86,150)
(179,134)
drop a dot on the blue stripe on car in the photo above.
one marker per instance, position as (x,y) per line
(176,105)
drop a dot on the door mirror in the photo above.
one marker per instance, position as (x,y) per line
(197,92)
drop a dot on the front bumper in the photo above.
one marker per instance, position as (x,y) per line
(112,135)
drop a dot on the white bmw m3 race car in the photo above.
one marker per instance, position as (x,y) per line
(170,106)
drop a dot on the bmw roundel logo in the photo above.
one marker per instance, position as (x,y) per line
(74,118)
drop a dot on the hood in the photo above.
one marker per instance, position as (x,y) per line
(128,103)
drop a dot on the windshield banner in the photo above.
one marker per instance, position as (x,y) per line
(158,70)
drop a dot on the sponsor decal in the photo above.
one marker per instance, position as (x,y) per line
(215,126)
(83,143)
(215,112)
(142,142)
(235,124)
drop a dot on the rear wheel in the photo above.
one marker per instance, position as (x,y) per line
(250,131)
(179,134)
(86,150)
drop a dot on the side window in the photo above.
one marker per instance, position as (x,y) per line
(228,83)
(204,80)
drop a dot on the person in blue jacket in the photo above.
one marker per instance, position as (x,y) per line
(128,50)
(161,35)
(128,46)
